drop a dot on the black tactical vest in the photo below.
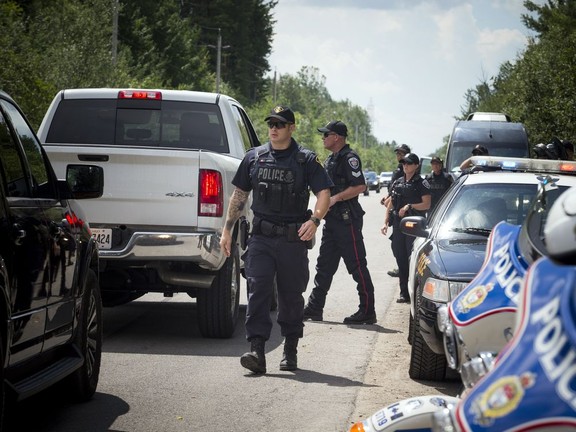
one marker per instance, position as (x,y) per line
(335,168)
(280,188)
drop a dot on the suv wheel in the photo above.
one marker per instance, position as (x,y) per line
(218,305)
(425,364)
(83,382)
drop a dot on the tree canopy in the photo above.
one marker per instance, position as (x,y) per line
(57,44)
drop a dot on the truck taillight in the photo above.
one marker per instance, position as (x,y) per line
(211,202)
(139,94)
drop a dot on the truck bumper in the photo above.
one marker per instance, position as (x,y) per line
(202,249)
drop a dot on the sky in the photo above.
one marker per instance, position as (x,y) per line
(409,63)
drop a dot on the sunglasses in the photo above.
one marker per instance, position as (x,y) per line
(476,153)
(277,125)
(407,163)
(327,134)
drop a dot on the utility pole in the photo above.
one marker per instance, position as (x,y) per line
(218,60)
(219,49)
(114,31)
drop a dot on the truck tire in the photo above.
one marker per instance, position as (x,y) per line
(425,364)
(218,306)
(82,384)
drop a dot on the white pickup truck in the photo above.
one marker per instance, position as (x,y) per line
(168,158)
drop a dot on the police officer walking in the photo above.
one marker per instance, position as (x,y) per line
(438,180)
(280,175)
(342,232)
(410,196)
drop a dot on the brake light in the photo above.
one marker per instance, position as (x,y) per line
(139,94)
(73,220)
(211,202)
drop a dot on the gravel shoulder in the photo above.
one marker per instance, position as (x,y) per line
(386,379)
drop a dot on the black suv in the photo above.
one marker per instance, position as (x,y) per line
(50,306)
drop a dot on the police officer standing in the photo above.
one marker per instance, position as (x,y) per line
(280,175)
(342,232)
(438,180)
(400,151)
(410,196)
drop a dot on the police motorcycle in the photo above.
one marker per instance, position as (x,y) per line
(487,308)
(532,385)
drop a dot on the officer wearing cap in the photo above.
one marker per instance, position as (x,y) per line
(280,175)
(342,232)
(410,196)
(400,151)
(439,181)
(478,150)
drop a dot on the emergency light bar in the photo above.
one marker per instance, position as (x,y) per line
(525,164)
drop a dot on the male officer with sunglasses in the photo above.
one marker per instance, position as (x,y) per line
(410,196)
(342,232)
(280,175)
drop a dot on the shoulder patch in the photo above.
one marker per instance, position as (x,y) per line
(354,163)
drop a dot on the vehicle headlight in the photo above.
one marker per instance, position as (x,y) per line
(476,368)
(440,290)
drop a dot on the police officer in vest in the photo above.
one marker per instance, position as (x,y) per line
(410,196)
(342,232)
(280,175)
(439,181)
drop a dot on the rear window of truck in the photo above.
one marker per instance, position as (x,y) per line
(138,123)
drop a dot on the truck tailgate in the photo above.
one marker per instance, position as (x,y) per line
(163,191)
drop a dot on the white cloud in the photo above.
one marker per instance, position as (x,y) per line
(412,60)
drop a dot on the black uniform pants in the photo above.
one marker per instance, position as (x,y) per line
(287,261)
(342,240)
(402,248)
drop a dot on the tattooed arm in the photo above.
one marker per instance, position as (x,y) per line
(237,204)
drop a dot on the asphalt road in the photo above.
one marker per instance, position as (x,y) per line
(159,374)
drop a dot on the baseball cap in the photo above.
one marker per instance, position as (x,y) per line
(336,126)
(480,150)
(436,159)
(402,148)
(282,113)
(411,158)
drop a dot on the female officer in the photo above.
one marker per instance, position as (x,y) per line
(410,196)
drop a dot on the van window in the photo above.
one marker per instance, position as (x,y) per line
(139,123)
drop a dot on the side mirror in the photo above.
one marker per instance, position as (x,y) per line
(85,181)
(415,226)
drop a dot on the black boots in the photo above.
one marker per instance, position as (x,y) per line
(289,360)
(255,360)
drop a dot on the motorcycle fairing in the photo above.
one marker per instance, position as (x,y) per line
(533,385)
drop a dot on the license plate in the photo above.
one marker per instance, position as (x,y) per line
(103,237)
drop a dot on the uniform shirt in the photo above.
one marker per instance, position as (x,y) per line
(438,185)
(345,170)
(316,177)
(410,192)
(398,173)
